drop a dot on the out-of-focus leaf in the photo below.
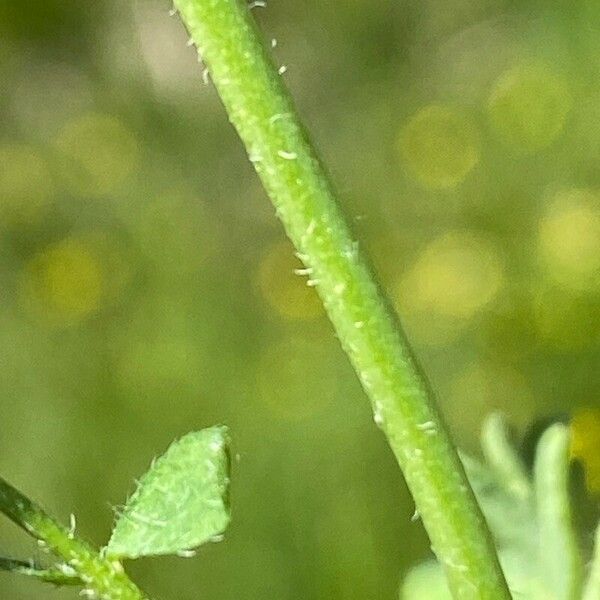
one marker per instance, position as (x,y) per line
(426,580)
(503,459)
(560,557)
(511,520)
(592,586)
(506,495)
(513,525)
(181,502)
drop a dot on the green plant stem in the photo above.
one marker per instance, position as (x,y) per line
(261,110)
(101,578)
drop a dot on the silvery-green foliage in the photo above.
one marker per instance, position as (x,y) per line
(180,503)
(530,517)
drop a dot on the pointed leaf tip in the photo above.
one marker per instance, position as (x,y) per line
(181,502)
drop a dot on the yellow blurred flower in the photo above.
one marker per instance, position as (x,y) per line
(569,239)
(528,107)
(63,284)
(98,154)
(456,275)
(585,444)
(440,146)
(284,288)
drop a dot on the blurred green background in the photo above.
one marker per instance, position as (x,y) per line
(147,289)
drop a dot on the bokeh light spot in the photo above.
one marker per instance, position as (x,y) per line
(569,240)
(25,184)
(528,107)
(455,276)
(440,146)
(63,284)
(285,290)
(99,153)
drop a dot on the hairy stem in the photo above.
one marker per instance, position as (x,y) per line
(261,110)
(100,578)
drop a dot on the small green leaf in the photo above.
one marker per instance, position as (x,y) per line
(60,575)
(181,502)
